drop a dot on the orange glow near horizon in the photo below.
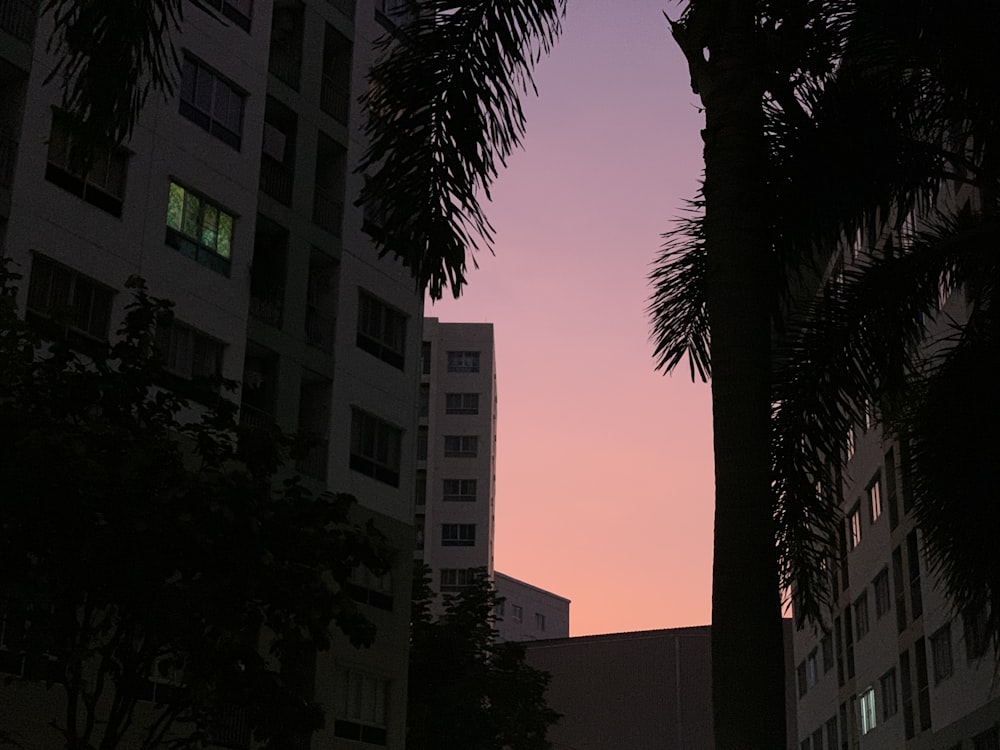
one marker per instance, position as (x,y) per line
(604,467)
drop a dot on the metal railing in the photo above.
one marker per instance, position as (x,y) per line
(17,18)
(276,179)
(313,464)
(267,306)
(285,63)
(254,418)
(319,329)
(328,212)
(335,99)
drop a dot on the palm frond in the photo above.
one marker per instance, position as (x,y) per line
(444,113)
(678,305)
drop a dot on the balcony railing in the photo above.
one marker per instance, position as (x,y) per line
(254,418)
(344,6)
(17,18)
(276,179)
(266,306)
(319,329)
(313,464)
(8,152)
(232,729)
(334,99)
(328,212)
(285,63)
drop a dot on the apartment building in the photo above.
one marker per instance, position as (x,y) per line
(895,665)
(529,613)
(235,200)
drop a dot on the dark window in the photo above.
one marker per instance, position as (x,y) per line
(861,615)
(424,404)
(890,704)
(425,357)
(461,446)
(923,685)
(907,693)
(58,293)
(360,708)
(422,438)
(458,534)
(988,740)
(837,633)
(188,353)
(849,642)
(899,588)
(463,361)
(375,447)
(368,588)
(199,228)
(381,330)
(944,665)
(890,488)
(831,733)
(460,489)
(826,647)
(801,674)
(211,102)
(461,403)
(974,627)
(455,579)
(101,184)
(883,597)
(237,11)
(913,558)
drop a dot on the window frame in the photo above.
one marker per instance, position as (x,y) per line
(942,654)
(51,310)
(459,490)
(465,360)
(382,459)
(854,527)
(867,710)
(458,535)
(353,722)
(466,447)
(193,110)
(890,695)
(173,348)
(461,403)
(60,172)
(874,493)
(194,246)
(391,322)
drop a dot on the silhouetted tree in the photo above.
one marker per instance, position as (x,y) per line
(139,548)
(467,691)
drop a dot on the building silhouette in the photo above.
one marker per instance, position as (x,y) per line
(235,199)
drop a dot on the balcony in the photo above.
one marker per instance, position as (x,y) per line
(285,63)
(17,18)
(334,99)
(276,179)
(254,418)
(313,464)
(267,306)
(319,329)
(8,153)
(328,212)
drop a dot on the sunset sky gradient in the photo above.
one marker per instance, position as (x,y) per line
(604,467)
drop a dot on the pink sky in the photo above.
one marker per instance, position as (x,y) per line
(604,467)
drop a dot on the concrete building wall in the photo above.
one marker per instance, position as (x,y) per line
(528,612)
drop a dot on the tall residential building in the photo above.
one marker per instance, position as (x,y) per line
(235,199)
(456,452)
(895,665)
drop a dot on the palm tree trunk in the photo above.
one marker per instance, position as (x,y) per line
(747,651)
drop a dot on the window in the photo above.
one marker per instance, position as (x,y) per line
(381,330)
(812,672)
(516,613)
(826,647)
(804,745)
(817,739)
(539,621)
(461,403)
(849,642)
(211,102)
(801,674)
(849,443)
(199,228)
(854,527)
(59,293)
(866,703)
(898,588)
(883,597)
(463,361)
(187,352)
(425,357)
(237,11)
(375,447)
(838,648)
(913,557)
(831,733)
(360,708)
(424,400)
(875,498)
(368,588)
(974,628)
(923,684)
(861,615)
(461,446)
(906,689)
(887,683)
(423,433)
(944,666)
(102,184)
(454,579)
(460,490)
(988,740)
(458,534)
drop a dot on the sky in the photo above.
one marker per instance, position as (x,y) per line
(604,466)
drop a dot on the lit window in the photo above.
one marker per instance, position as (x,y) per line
(458,534)
(211,102)
(461,446)
(849,443)
(461,403)
(875,498)
(890,703)
(199,228)
(360,708)
(867,704)
(883,596)
(59,293)
(375,447)
(381,330)
(187,352)
(102,184)
(854,527)
(941,652)
(463,361)
(460,489)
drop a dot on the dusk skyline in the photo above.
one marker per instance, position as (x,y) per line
(604,467)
